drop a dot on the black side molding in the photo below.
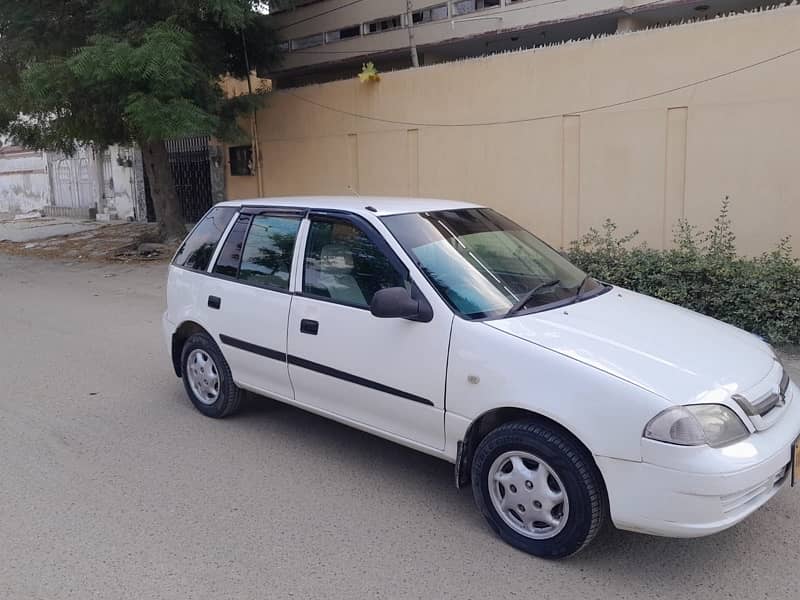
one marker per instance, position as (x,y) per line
(318,368)
(344,376)
(248,347)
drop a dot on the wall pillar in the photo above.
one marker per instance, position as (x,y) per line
(413,163)
(675,171)
(570,179)
(352,151)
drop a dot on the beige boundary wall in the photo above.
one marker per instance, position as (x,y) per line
(644,164)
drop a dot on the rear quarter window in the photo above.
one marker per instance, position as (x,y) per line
(196,251)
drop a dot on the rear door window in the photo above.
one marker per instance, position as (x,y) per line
(267,254)
(196,251)
(231,254)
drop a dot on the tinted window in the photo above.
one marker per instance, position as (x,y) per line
(343,264)
(197,249)
(268,251)
(231,254)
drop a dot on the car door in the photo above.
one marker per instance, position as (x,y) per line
(385,374)
(252,297)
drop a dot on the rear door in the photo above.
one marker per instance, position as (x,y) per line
(250,304)
(189,284)
(386,374)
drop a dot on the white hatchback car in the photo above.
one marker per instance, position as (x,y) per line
(446,327)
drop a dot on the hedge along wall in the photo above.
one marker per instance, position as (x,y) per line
(703,272)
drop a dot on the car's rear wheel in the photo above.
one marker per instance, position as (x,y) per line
(539,489)
(207,378)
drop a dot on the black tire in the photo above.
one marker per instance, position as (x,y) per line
(581,480)
(229,397)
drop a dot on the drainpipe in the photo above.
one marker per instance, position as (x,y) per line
(256,147)
(253,123)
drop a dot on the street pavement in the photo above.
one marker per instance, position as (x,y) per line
(34,229)
(113,486)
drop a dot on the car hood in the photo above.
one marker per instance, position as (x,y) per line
(678,354)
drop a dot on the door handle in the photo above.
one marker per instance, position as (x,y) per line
(214,302)
(310,327)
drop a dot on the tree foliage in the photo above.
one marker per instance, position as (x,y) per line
(106,72)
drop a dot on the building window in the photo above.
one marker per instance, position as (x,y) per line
(463,7)
(386,24)
(241,159)
(308,41)
(343,34)
(432,13)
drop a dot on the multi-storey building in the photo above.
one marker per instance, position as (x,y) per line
(329,39)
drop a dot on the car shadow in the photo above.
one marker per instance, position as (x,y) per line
(353,449)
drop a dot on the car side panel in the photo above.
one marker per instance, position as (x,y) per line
(490,369)
(187,297)
(253,316)
(246,312)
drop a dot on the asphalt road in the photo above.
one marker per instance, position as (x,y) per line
(113,486)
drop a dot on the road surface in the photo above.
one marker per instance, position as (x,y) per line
(113,486)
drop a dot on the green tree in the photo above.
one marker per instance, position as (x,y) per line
(105,72)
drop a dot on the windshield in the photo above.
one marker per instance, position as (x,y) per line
(485,265)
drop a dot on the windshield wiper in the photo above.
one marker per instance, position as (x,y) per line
(529,296)
(580,288)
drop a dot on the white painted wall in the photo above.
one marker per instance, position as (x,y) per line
(24,184)
(124,198)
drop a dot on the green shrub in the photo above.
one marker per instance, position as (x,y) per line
(704,273)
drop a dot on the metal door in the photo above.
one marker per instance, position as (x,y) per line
(190,163)
(74,179)
(108,178)
(191,170)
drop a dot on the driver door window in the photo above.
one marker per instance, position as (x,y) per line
(343,265)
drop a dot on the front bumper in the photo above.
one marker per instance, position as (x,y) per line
(695,491)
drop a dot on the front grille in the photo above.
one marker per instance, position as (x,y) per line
(738,500)
(766,409)
(767,403)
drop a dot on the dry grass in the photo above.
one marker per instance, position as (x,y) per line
(117,242)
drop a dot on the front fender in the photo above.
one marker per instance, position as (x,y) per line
(490,369)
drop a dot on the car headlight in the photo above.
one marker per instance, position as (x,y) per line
(697,424)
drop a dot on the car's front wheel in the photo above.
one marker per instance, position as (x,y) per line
(207,378)
(538,488)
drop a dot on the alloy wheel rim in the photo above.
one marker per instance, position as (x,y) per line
(203,376)
(528,495)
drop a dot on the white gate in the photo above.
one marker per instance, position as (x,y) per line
(75,179)
(108,179)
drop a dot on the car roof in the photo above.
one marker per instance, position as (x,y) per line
(382,205)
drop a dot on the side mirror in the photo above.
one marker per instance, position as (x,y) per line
(398,303)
